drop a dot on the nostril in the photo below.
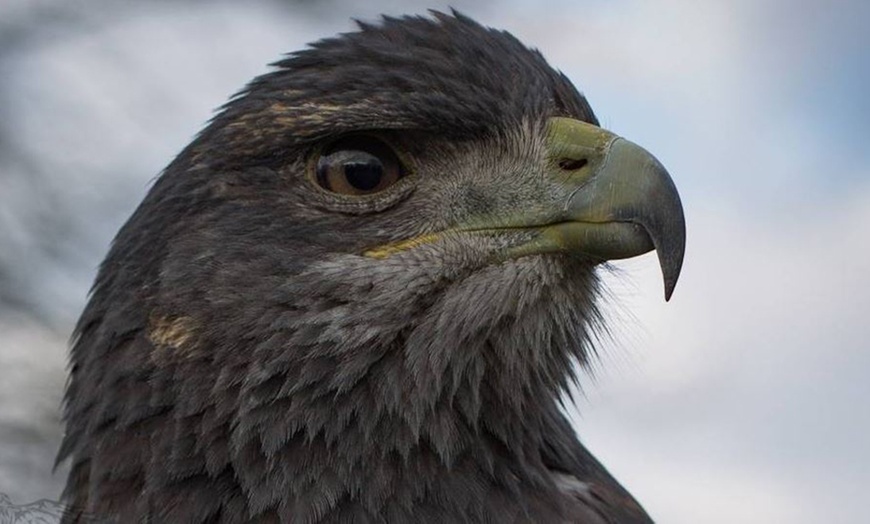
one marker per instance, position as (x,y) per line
(572,164)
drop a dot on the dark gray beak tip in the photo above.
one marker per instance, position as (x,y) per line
(671,276)
(672,247)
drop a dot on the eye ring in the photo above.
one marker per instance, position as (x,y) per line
(357,165)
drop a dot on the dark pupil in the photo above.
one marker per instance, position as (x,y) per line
(364,172)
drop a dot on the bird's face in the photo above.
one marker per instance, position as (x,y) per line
(378,199)
(558,186)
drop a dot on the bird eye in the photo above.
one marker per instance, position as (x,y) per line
(358,165)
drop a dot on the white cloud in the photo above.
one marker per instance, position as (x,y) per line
(752,376)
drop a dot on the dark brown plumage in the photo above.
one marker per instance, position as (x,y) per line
(358,295)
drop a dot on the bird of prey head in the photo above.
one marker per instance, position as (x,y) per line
(359,293)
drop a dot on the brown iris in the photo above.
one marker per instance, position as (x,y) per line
(358,165)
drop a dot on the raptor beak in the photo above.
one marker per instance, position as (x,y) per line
(622,201)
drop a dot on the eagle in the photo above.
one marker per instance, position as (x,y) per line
(361,293)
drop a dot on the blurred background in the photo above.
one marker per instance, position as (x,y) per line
(744,399)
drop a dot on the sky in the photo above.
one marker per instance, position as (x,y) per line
(743,399)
